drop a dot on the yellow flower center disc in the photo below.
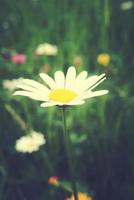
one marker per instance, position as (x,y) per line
(62,95)
(81,196)
(103,59)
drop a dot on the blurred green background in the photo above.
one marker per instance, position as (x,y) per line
(101,131)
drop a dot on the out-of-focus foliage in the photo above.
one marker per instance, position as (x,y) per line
(101,131)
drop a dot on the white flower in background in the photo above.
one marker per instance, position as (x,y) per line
(46,49)
(62,90)
(127,5)
(11,84)
(30,143)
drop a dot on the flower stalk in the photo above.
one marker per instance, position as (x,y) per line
(16,117)
(69,154)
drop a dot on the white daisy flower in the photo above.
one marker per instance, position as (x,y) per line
(62,90)
(11,84)
(46,49)
(30,143)
(127,5)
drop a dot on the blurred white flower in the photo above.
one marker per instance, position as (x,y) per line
(11,84)
(30,143)
(127,5)
(46,49)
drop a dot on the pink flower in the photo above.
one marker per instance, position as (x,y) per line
(53,180)
(18,58)
(77,60)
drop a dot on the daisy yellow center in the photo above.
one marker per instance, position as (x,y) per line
(62,95)
(31,145)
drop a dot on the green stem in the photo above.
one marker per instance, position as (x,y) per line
(48,163)
(69,154)
(16,117)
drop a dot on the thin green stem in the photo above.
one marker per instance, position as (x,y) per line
(69,154)
(16,117)
(47,163)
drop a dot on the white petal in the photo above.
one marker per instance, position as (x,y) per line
(88,83)
(79,81)
(36,96)
(95,85)
(48,104)
(60,103)
(76,102)
(48,80)
(26,87)
(82,76)
(70,77)
(94,94)
(22,93)
(59,79)
(35,84)
(83,85)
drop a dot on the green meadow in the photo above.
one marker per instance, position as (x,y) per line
(96,36)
